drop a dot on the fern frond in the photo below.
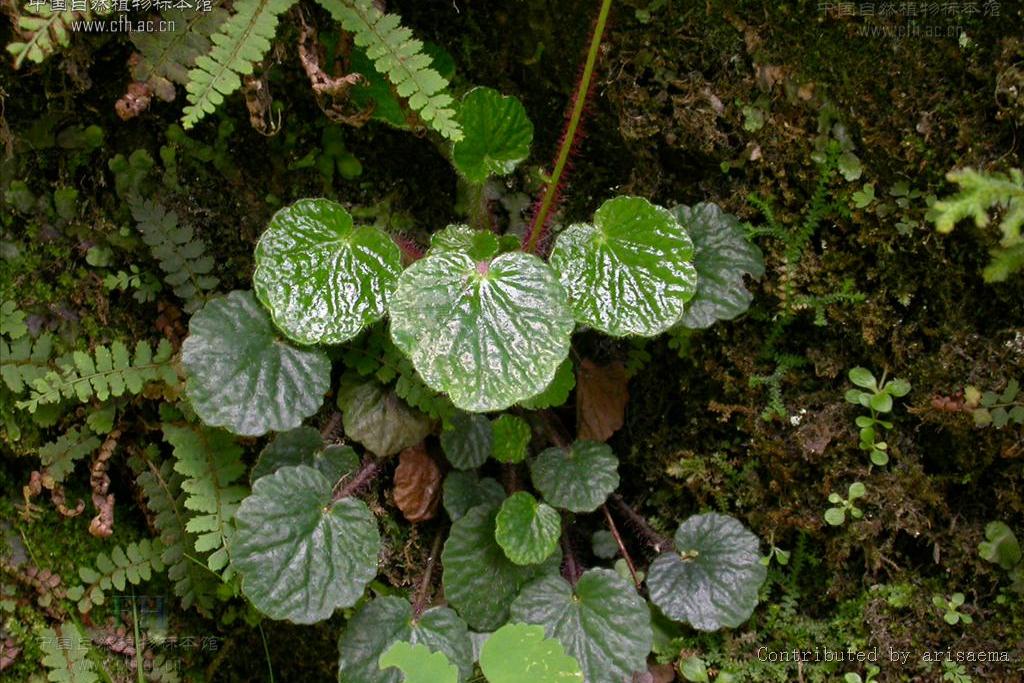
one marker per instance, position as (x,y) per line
(165,57)
(42,31)
(241,41)
(107,372)
(161,485)
(210,461)
(58,457)
(133,564)
(12,320)
(396,53)
(65,653)
(24,361)
(182,256)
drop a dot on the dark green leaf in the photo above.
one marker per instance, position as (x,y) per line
(465,490)
(510,438)
(467,442)
(579,478)
(377,418)
(526,530)
(304,446)
(557,392)
(496,134)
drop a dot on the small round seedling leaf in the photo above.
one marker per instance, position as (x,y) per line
(467,441)
(712,578)
(300,554)
(465,490)
(1001,546)
(601,622)
(418,664)
(480,582)
(305,446)
(384,621)
(377,418)
(487,333)
(496,134)
(526,530)
(579,478)
(557,392)
(322,278)
(862,377)
(628,273)
(510,438)
(243,376)
(520,652)
(722,256)
(479,244)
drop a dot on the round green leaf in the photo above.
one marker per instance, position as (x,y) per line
(243,376)
(488,334)
(602,622)
(722,255)
(629,273)
(377,418)
(418,664)
(526,530)
(479,244)
(304,446)
(496,134)
(557,392)
(510,438)
(465,490)
(712,578)
(322,278)
(520,652)
(467,442)
(384,621)
(579,478)
(479,581)
(300,555)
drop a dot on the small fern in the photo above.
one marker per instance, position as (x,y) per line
(42,32)
(58,457)
(241,41)
(165,57)
(109,371)
(65,653)
(133,564)
(397,54)
(24,361)
(210,461)
(182,256)
(193,583)
(784,363)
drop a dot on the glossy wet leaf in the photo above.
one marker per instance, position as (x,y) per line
(417,484)
(528,531)
(602,393)
(479,244)
(630,271)
(418,664)
(520,652)
(467,441)
(579,478)
(387,620)
(305,446)
(722,256)
(480,582)
(510,438)
(602,622)
(378,419)
(496,134)
(323,278)
(465,490)
(243,376)
(712,577)
(300,555)
(557,392)
(489,334)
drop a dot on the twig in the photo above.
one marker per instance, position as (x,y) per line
(331,426)
(622,546)
(366,474)
(423,591)
(640,525)
(571,569)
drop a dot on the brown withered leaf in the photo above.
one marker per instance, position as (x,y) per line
(417,484)
(601,398)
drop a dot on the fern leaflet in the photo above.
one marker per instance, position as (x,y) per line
(241,41)
(210,461)
(24,361)
(43,31)
(59,457)
(165,57)
(396,53)
(132,564)
(65,653)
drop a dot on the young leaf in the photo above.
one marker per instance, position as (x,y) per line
(526,530)
(305,446)
(300,554)
(418,664)
(488,333)
(241,375)
(520,652)
(579,478)
(712,578)
(479,244)
(628,273)
(375,417)
(602,393)
(496,134)
(862,377)
(322,278)
(602,622)
(511,436)
(722,255)
(479,580)
(387,620)
(1001,546)
(467,442)
(465,490)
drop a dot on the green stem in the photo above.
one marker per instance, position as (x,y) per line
(582,88)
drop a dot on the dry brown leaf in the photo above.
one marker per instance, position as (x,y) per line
(417,484)
(601,398)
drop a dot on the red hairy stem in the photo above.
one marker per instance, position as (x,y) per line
(423,591)
(410,250)
(572,570)
(622,546)
(640,525)
(364,477)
